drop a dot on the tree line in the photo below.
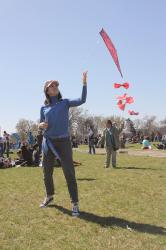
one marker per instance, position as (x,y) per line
(80,120)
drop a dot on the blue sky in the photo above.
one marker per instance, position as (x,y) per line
(58,39)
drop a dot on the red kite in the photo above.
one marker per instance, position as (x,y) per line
(121,105)
(118,85)
(111,49)
(131,112)
(129,100)
(123,97)
(123,100)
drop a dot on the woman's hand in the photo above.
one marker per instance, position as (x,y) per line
(43,125)
(85,74)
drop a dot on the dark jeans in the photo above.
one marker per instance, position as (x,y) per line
(22,163)
(6,148)
(1,150)
(91,148)
(64,150)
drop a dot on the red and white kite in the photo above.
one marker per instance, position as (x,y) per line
(129,99)
(123,100)
(131,112)
(111,49)
(118,85)
(121,105)
(123,97)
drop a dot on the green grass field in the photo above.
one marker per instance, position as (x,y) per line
(123,208)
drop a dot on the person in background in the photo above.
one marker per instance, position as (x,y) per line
(6,163)
(111,142)
(30,139)
(1,147)
(146,143)
(91,140)
(36,155)
(26,154)
(6,138)
(1,162)
(19,161)
(39,139)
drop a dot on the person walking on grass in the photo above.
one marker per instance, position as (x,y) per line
(110,140)
(54,119)
(1,147)
(6,138)
(91,141)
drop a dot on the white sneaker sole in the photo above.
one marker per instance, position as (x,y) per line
(42,205)
(75,214)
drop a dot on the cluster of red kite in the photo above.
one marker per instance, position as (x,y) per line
(125,99)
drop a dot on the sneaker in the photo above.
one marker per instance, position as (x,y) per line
(46,202)
(75,210)
(40,164)
(18,166)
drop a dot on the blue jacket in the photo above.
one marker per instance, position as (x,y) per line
(56,115)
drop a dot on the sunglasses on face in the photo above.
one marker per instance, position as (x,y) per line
(53,85)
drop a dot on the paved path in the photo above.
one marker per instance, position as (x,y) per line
(136,152)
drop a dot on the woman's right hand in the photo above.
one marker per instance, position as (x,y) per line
(43,125)
(84,77)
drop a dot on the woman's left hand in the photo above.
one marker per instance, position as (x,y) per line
(85,74)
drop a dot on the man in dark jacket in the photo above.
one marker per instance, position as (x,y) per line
(111,142)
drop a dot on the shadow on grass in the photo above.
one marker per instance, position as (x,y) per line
(113,221)
(157,169)
(86,179)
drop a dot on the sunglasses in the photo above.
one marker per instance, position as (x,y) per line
(53,84)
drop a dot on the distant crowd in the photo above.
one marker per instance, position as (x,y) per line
(29,153)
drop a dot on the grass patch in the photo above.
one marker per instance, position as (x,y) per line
(122,208)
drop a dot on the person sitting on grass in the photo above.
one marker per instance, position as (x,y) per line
(36,155)
(24,156)
(20,161)
(146,143)
(6,163)
(27,155)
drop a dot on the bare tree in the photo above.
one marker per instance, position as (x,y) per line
(149,124)
(24,126)
(77,117)
(163,126)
